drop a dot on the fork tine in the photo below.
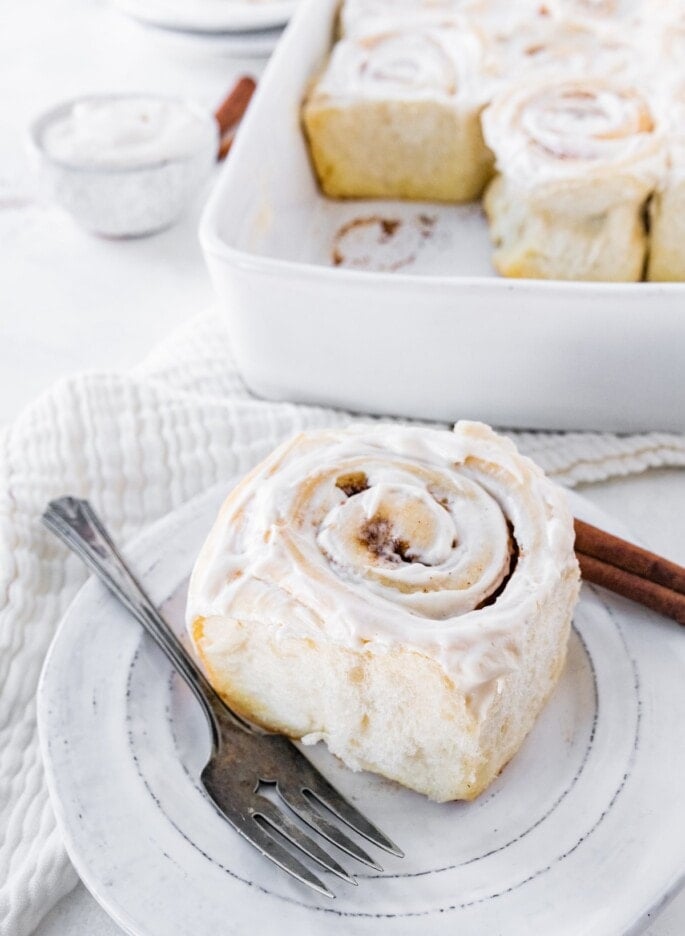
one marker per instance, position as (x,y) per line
(258,836)
(303,808)
(271,814)
(316,784)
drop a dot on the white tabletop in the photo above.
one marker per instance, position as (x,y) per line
(72,302)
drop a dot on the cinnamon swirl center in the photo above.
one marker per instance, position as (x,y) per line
(397,61)
(436,541)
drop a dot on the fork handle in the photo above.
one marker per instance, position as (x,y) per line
(75,522)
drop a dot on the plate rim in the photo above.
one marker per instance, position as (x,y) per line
(234,44)
(232,17)
(138,547)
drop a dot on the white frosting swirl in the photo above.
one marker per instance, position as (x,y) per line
(368,17)
(425,64)
(668,88)
(497,19)
(609,13)
(445,543)
(577,132)
(562,51)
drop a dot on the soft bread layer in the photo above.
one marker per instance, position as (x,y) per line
(396,714)
(667,242)
(540,241)
(422,150)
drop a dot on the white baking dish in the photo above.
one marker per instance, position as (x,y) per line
(441,338)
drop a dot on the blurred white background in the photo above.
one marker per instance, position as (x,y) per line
(69,301)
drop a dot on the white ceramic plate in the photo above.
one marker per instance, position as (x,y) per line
(394,308)
(210,15)
(259,43)
(582,833)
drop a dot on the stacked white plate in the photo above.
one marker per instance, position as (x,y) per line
(241,28)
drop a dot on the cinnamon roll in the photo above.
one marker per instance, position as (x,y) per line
(396,115)
(547,47)
(403,594)
(576,161)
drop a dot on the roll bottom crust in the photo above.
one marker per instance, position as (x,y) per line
(398,713)
(543,241)
(667,241)
(418,150)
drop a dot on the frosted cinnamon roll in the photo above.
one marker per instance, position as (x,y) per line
(396,115)
(369,17)
(403,594)
(576,163)
(546,47)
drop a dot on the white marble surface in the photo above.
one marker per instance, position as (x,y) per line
(71,302)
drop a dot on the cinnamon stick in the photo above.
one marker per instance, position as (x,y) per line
(630,585)
(231,110)
(614,551)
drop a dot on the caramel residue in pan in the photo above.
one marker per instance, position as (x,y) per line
(381,244)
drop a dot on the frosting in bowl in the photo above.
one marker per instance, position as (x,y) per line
(127,131)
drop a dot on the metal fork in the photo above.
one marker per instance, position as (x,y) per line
(243,757)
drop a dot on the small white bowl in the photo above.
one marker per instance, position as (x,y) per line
(130,200)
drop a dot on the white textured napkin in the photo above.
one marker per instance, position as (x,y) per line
(138,445)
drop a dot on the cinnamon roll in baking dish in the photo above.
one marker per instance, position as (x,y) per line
(576,161)
(403,594)
(396,114)
(550,48)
